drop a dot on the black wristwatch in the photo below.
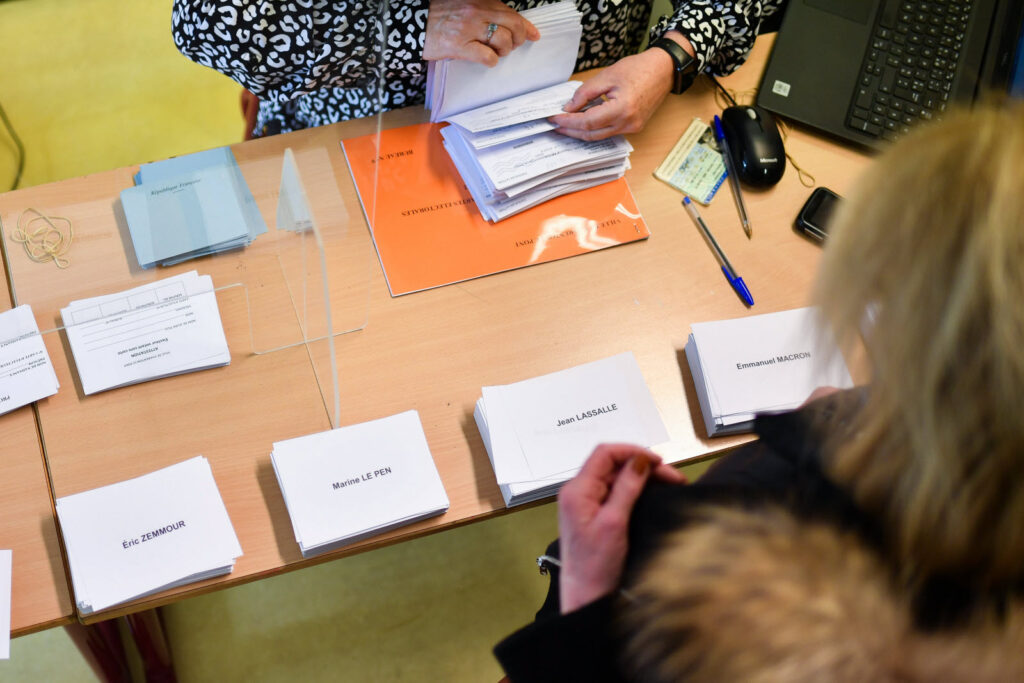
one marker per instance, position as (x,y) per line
(686,66)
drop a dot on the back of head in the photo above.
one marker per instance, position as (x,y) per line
(736,596)
(933,237)
(764,597)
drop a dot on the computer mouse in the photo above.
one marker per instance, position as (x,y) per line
(754,144)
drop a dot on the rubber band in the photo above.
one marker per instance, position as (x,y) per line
(47,242)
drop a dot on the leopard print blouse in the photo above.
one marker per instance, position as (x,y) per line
(313,62)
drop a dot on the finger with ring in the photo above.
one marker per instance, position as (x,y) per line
(491,28)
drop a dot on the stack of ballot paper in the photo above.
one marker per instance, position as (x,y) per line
(190,206)
(500,139)
(26,373)
(141,536)
(539,432)
(354,482)
(456,85)
(761,363)
(168,327)
(5,604)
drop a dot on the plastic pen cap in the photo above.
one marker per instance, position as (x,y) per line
(740,287)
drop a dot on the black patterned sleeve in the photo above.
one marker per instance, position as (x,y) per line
(280,50)
(722,33)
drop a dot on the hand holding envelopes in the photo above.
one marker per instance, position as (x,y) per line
(504,148)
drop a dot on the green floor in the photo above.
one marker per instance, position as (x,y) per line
(95,84)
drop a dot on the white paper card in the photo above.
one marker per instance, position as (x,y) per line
(766,362)
(5,604)
(358,480)
(546,427)
(159,329)
(143,535)
(26,373)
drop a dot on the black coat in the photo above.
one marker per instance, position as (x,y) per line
(782,467)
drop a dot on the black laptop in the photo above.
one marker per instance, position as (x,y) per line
(869,70)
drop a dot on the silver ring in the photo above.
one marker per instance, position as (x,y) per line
(491,28)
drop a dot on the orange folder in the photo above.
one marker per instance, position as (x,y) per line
(428,232)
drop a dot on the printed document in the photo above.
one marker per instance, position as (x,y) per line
(26,373)
(163,328)
(5,604)
(144,535)
(761,363)
(358,481)
(545,428)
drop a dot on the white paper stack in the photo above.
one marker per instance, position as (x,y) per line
(351,483)
(455,85)
(26,373)
(500,140)
(144,535)
(168,327)
(5,604)
(762,363)
(539,432)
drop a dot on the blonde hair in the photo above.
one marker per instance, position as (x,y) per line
(934,236)
(763,597)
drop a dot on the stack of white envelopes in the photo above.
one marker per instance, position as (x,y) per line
(168,327)
(351,483)
(26,373)
(500,140)
(144,535)
(539,432)
(457,85)
(761,363)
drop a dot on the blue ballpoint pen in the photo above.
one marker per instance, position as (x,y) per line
(730,273)
(734,180)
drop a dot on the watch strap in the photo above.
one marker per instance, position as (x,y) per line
(685,65)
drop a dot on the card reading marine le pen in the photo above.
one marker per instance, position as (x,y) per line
(694,166)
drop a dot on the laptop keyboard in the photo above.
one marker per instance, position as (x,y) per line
(909,66)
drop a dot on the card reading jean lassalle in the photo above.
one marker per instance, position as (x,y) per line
(544,428)
(429,233)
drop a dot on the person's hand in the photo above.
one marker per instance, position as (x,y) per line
(457,29)
(629,91)
(593,519)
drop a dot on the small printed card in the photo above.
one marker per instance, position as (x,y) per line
(358,481)
(544,428)
(694,166)
(163,328)
(760,363)
(26,373)
(5,604)
(143,535)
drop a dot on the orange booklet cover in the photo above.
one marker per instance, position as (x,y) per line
(428,232)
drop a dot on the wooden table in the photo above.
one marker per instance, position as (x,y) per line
(431,351)
(39,586)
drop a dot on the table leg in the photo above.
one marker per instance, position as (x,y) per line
(147,629)
(101,646)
